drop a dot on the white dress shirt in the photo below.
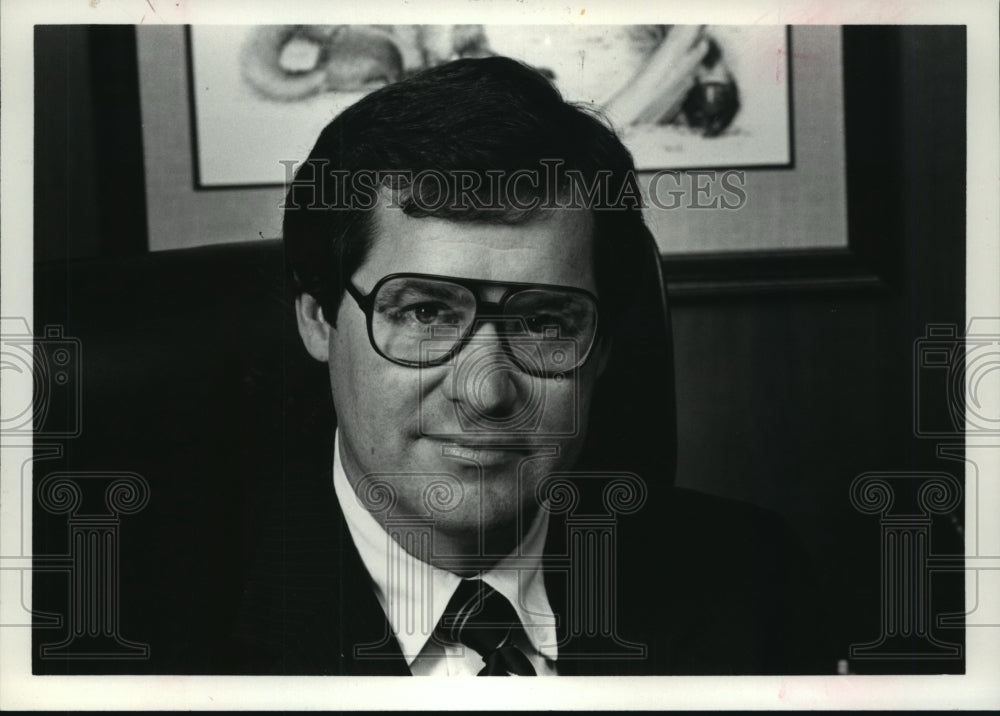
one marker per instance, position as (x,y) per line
(416,598)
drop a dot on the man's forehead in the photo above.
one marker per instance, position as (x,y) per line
(551,246)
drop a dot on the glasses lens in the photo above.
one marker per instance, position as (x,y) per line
(409,312)
(560,325)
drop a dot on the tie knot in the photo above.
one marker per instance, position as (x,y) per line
(482,619)
(478,616)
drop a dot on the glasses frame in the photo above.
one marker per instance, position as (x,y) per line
(484,310)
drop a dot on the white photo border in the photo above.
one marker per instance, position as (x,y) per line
(20,690)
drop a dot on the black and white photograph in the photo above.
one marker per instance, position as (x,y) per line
(573,342)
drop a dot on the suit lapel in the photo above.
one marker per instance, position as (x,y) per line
(367,642)
(310,603)
(581,654)
(354,621)
(557,580)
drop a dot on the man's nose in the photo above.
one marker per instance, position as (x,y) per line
(486,380)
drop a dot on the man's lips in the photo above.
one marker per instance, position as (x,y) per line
(487,450)
(507,442)
(483,455)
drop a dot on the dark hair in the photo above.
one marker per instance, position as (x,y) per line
(469,117)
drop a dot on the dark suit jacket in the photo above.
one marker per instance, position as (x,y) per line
(703,586)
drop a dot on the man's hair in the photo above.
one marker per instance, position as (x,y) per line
(475,121)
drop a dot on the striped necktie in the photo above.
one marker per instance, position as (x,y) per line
(482,619)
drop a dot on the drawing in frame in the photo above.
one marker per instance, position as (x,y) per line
(683,96)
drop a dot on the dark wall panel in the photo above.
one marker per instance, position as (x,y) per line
(784,400)
(89,180)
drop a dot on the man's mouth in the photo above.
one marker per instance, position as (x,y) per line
(486,450)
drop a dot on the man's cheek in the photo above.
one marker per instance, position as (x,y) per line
(561,409)
(390,397)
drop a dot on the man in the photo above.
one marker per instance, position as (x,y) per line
(464,247)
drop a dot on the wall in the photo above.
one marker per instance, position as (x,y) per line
(783,400)
(89,177)
(180,216)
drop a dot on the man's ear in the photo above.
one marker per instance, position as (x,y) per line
(313,328)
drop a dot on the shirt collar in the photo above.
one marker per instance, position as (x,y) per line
(414,594)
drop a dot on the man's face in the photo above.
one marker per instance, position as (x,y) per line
(404,423)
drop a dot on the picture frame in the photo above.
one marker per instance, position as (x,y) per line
(868,261)
(853,247)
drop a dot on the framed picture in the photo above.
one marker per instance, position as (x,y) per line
(833,222)
(809,223)
(683,96)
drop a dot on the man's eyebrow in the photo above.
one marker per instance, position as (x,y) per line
(394,290)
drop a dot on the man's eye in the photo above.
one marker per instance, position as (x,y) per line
(428,313)
(425,312)
(538,322)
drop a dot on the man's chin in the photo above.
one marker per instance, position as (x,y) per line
(467,542)
(480,496)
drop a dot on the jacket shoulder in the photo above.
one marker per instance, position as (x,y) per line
(738,591)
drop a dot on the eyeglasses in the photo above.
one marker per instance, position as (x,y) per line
(421,320)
